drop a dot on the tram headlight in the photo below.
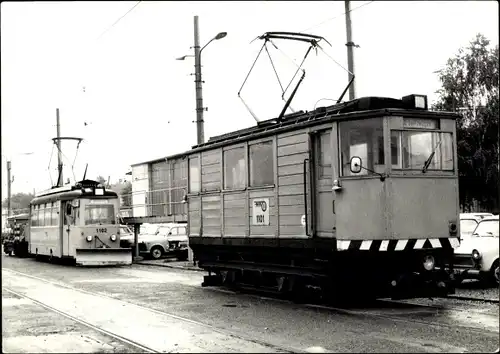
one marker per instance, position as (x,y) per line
(112,237)
(428,262)
(89,238)
(476,255)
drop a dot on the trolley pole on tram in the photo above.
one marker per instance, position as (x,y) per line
(350,54)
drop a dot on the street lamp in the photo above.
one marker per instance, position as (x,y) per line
(198,81)
(11,179)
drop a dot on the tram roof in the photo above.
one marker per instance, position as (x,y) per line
(361,108)
(82,189)
(23,216)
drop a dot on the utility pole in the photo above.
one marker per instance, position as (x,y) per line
(59,153)
(350,54)
(8,187)
(199,96)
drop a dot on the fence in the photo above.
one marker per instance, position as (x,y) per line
(153,203)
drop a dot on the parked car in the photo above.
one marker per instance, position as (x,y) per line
(157,240)
(126,232)
(477,257)
(468,223)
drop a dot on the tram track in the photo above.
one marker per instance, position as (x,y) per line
(269,296)
(349,310)
(127,341)
(223,331)
(470,298)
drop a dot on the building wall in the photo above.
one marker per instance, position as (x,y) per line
(140,188)
(158,189)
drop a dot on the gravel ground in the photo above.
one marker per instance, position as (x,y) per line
(477,289)
(178,292)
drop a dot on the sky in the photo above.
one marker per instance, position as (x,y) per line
(120,88)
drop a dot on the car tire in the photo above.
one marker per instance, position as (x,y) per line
(156,252)
(495,273)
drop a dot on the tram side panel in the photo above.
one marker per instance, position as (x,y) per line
(293,186)
(44,238)
(211,185)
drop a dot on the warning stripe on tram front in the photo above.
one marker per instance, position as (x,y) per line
(397,245)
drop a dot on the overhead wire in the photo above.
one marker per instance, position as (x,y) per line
(333,18)
(119,19)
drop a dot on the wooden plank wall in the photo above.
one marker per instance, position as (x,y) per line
(236,217)
(292,151)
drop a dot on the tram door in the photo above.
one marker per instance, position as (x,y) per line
(324,213)
(65,229)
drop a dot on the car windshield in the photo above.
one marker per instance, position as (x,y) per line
(467,226)
(164,230)
(125,230)
(487,228)
(149,229)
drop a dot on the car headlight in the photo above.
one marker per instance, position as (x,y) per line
(112,237)
(476,255)
(428,262)
(89,238)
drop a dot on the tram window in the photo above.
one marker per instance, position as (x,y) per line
(34,216)
(234,168)
(99,214)
(417,146)
(48,215)
(41,216)
(55,214)
(395,150)
(261,164)
(325,156)
(360,138)
(194,175)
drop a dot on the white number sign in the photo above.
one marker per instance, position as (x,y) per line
(260,211)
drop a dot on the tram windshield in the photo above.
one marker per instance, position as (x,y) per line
(418,146)
(410,149)
(99,214)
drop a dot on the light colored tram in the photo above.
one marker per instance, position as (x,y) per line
(77,222)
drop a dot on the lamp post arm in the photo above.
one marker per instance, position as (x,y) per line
(210,41)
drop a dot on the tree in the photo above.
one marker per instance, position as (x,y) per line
(101,180)
(126,194)
(19,203)
(470,86)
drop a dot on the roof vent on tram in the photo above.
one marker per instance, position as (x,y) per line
(415,102)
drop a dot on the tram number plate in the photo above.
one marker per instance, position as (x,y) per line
(102,230)
(261,211)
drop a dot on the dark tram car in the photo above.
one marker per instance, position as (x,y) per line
(359,195)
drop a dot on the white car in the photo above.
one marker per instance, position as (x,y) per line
(157,240)
(477,257)
(468,223)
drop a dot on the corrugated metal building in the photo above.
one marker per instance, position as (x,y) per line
(158,189)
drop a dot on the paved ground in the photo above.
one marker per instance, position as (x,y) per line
(174,307)
(30,328)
